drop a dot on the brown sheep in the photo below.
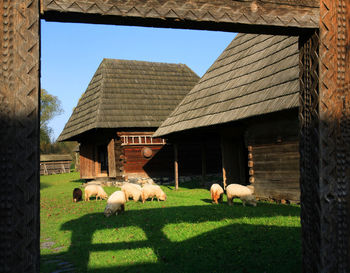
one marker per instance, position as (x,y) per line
(77,195)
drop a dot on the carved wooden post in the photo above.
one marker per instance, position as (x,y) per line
(325,141)
(19,136)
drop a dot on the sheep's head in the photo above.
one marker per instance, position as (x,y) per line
(251,200)
(104,196)
(108,212)
(162,196)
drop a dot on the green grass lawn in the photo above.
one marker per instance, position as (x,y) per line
(186,233)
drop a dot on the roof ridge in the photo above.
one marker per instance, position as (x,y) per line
(104,60)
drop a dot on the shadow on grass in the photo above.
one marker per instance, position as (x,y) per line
(242,247)
(78,181)
(44,185)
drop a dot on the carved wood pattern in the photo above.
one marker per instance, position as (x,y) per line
(309,149)
(325,142)
(19,120)
(334,133)
(292,13)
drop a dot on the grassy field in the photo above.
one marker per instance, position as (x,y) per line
(186,233)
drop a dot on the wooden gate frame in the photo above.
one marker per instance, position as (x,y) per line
(323,28)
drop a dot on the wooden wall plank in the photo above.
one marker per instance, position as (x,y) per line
(87,161)
(112,172)
(275,170)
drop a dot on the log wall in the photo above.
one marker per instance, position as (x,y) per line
(274,171)
(135,162)
(55,167)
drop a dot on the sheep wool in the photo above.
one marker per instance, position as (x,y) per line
(216,192)
(94,190)
(151,191)
(131,190)
(115,204)
(241,192)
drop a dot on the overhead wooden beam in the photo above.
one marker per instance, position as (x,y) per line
(231,15)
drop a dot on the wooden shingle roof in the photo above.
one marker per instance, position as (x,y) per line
(126,94)
(255,74)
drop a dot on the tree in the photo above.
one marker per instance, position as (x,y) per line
(50,107)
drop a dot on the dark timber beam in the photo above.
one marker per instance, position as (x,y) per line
(268,16)
(176,166)
(204,162)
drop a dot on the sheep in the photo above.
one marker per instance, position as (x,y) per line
(92,190)
(242,192)
(115,203)
(77,195)
(131,190)
(216,192)
(151,191)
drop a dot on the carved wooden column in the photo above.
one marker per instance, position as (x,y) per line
(19,136)
(325,140)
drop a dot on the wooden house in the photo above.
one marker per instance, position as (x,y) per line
(115,118)
(248,100)
(55,164)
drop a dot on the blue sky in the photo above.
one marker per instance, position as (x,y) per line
(71,53)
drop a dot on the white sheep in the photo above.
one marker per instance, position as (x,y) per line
(216,192)
(242,192)
(151,191)
(94,190)
(115,203)
(132,190)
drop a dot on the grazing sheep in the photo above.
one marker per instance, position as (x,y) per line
(151,191)
(242,192)
(94,190)
(216,192)
(131,190)
(115,203)
(77,195)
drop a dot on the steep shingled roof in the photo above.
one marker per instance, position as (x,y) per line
(126,94)
(256,74)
